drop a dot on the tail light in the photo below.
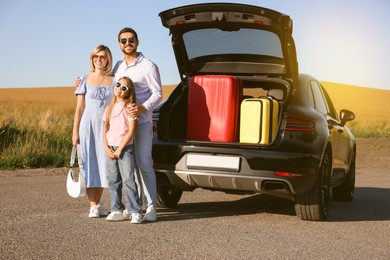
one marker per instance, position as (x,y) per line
(299,123)
(288,174)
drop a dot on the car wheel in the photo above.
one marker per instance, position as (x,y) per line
(346,191)
(314,204)
(167,195)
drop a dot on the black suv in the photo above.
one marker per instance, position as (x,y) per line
(243,120)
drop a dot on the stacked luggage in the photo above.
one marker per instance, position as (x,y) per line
(213,108)
(259,120)
(218,113)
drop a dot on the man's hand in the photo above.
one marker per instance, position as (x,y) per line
(77,82)
(134,111)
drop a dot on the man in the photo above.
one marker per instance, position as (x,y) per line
(146,77)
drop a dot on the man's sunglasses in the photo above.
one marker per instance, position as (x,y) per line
(123,87)
(130,40)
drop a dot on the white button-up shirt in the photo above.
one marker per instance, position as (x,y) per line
(146,78)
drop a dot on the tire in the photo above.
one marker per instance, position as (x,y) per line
(346,191)
(313,205)
(167,195)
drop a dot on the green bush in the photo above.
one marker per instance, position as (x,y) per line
(25,145)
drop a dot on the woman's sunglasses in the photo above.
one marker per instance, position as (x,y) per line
(123,87)
(99,57)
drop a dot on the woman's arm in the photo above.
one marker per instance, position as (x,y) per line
(80,106)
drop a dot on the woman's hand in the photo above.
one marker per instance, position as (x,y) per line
(75,139)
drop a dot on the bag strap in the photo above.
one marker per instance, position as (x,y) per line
(76,150)
(73,156)
(79,160)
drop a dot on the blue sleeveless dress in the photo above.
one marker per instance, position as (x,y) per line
(91,132)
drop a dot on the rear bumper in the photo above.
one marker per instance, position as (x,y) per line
(256,172)
(229,183)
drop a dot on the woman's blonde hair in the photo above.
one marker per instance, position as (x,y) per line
(108,68)
(128,98)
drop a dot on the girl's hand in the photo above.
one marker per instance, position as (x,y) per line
(110,153)
(117,154)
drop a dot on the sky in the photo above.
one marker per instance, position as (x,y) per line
(47,43)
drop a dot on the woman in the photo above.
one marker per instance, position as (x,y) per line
(93,94)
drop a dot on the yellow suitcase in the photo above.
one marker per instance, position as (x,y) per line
(258,120)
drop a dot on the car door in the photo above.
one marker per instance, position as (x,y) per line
(337,132)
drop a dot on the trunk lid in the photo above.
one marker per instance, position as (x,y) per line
(232,39)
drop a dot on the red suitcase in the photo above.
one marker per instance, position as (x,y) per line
(213,108)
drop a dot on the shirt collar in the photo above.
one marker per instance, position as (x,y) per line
(138,60)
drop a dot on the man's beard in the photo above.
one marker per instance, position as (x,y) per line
(133,50)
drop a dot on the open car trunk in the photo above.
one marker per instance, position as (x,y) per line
(224,109)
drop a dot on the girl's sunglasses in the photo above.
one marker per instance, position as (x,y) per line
(123,87)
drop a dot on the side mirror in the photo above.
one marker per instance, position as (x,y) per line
(346,115)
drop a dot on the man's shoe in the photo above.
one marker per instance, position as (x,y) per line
(126,214)
(151,214)
(115,216)
(136,218)
(102,211)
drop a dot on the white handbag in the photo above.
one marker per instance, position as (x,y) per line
(75,188)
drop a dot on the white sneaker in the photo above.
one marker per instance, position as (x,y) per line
(102,211)
(115,216)
(94,212)
(151,214)
(136,218)
(126,214)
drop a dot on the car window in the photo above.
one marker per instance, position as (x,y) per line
(310,98)
(332,111)
(319,102)
(214,41)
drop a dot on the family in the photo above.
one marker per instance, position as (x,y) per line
(113,125)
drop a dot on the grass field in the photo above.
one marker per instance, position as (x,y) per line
(36,123)
(371,107)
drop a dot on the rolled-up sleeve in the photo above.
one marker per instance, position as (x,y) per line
(152,76)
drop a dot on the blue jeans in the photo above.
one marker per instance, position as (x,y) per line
(143,154)
(120,172)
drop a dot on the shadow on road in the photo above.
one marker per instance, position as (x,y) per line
(369,204)
(249,205)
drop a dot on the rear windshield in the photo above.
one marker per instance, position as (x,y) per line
(214,41)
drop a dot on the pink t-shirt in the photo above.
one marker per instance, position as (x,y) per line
(119,125)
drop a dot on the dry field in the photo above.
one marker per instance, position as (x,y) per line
(369,105)
(37,105)
(36,123)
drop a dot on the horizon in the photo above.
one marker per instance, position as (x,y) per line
(174,85)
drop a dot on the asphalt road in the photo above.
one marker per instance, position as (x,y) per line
(40,221)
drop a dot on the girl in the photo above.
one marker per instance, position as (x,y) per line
(119,130)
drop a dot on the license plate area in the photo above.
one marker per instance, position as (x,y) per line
(213,162)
